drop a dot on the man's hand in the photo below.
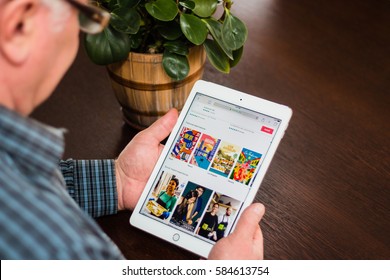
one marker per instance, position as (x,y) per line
(246,242)
(136,162)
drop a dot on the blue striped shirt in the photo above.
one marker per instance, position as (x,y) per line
(46,205)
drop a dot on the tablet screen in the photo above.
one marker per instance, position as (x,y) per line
(210,168)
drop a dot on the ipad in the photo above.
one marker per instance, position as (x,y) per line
(211,167)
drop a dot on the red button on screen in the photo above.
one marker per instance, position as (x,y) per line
(267,130)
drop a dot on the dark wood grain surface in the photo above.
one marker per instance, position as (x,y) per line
(327,192)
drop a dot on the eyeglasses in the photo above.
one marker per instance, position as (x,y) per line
(92,19)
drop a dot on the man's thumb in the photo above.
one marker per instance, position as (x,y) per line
(248,223)
(161,128)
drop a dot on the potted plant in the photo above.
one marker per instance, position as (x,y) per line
(170,33)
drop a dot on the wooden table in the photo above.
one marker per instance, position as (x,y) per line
(327,192)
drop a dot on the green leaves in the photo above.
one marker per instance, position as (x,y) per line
(193,28)
(175,60)
(188,4)
(234,32)
(107,47)
(170,30)
(175,65)
(125,20)
(164,10)
(177,47)
(226,49)
(205,8)
(216,56)
(128,3)
(171,27)
(215,28)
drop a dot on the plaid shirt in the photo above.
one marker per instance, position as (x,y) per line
(38,217)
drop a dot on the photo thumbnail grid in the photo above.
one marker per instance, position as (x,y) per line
(191,208)
(197,209)
(217,156)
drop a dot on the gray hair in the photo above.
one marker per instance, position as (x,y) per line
(60,12)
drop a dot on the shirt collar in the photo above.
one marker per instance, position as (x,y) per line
(34,145)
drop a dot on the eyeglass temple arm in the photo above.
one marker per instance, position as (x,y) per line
(94,13)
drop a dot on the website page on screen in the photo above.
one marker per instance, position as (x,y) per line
(210,168)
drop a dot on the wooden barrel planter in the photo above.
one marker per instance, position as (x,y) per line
(145,92)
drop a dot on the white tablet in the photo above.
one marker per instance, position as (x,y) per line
(211,167)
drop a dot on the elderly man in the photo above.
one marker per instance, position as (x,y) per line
(46,205)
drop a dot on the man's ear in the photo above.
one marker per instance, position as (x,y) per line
(17,26)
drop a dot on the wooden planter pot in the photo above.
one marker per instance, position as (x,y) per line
(145,92)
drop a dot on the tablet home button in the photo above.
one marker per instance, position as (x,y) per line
(176,237)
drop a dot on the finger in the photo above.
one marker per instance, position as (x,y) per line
(161,128)
(258,236)
(248,224)
(258,247)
